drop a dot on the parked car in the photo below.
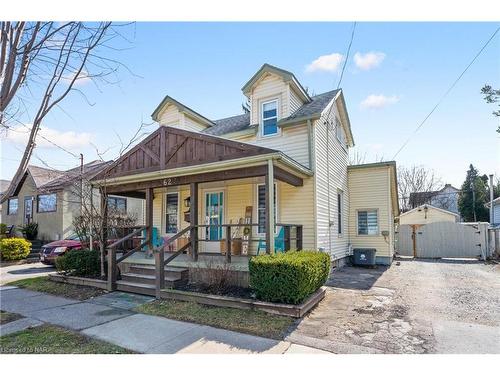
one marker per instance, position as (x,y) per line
(55,249)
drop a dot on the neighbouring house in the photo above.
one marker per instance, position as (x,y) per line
(445,198)
(426,214)
(50,198)
(4,185)
(271,179)
(496,211)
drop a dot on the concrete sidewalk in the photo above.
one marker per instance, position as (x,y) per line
(109,318)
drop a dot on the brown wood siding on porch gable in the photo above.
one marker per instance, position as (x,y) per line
(170,148)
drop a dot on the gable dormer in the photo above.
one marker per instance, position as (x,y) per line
(170,112)
(273,94)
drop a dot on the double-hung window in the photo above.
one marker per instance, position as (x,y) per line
(270,118)
(367,222)
(117,204)
(12,206)
(172,213)
(339,131)
(261,207)
(47,202)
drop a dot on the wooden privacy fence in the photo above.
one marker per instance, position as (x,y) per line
(444,240)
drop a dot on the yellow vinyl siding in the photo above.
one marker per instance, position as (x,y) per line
(171,116)
(269,87)
(369,188)
(295,101)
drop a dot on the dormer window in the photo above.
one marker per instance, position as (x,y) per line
(270,118)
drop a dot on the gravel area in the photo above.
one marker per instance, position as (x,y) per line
(414,306)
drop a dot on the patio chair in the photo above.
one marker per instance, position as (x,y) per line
(279,243)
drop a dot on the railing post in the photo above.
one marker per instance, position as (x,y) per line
(111,269)
(228,244)
(286,233)
(159,270)
(193,213)
(149,219)
(299,237)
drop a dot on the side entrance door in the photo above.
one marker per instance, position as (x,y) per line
(28,210)
(214,215)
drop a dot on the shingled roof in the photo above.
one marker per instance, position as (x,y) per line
(241,122)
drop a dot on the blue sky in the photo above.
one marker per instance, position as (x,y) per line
(204,65)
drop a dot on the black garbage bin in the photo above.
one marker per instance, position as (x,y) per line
(363,257)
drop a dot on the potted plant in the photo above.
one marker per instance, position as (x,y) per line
(29,231)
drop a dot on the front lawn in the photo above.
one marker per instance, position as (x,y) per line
(48,339)
(45,285)
(253,322)
(7,317)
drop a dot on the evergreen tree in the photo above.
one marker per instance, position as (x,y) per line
(474,196)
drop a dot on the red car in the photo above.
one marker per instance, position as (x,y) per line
(52,250)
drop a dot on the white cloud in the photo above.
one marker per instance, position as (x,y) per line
(368,60)
(66,139)
(326,63)
(378,101)
(83,78)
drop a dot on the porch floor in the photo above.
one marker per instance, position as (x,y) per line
(238,263)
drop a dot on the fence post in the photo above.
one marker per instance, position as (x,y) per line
(299,237)
(159,270)
(228,244)
(111,269)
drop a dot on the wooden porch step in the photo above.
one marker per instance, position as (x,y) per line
(126,286)
(170,281)
(150,270)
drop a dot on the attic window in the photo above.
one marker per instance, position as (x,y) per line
(340,133)
(270,118)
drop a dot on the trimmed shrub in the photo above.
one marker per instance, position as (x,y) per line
(79,263)
(14,248)
(290,277)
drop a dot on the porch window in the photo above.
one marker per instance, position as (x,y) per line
(47,202)
(270,118)
(172,213)
(340,195)
(367,222)
(12,206)
(261,207)
(117,204)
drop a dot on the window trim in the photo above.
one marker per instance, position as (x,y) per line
(38,204)
(340,213)
(276,231)
(357,222)
(8,206)
(164,226)
(278,130)
(343,142)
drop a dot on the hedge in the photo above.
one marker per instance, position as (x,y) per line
(290,277)
(14,248)
(79,263)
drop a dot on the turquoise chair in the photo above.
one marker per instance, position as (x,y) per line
(279,243)
(157,240)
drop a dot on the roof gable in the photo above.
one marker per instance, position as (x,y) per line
(287,76)
(170,148)
(428,206)
(182,108)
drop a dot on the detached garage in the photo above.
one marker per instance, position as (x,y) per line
(426,214)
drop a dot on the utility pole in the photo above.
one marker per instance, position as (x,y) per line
(473,199)
(491,199)
(81,184)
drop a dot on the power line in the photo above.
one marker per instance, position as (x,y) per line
(347,55)
(446,94)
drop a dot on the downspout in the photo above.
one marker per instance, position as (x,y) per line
(328,185)
(309,143)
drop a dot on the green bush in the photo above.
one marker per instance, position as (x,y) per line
(79,263)
(290,277)
(29,231)
(14,248)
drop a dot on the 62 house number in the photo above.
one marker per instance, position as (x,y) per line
(169,181)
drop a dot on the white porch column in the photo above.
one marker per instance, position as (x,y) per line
(270,224)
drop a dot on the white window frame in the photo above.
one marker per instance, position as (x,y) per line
(276,100)
(276,215)
(357,221)
(164,229)
(8,206)
(340,213)
(339,130)
(38,203)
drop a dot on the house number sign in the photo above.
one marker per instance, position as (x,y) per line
(170,181)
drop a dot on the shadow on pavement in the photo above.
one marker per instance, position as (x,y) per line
(32,270)
(359,278)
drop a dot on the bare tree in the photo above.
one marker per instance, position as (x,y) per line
(355,158)
(42,61)
(415,179)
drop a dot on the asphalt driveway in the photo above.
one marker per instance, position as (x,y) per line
(12,273)
(414,306)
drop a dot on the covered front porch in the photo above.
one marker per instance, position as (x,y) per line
(203,196)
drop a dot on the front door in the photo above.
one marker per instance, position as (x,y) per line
(214,215)
(28,210)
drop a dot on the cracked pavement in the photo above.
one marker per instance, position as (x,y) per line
(414,306)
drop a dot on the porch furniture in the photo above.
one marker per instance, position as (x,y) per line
(279,242)
(9,231)
(156,240)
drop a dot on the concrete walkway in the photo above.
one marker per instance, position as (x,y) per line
(109,318)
